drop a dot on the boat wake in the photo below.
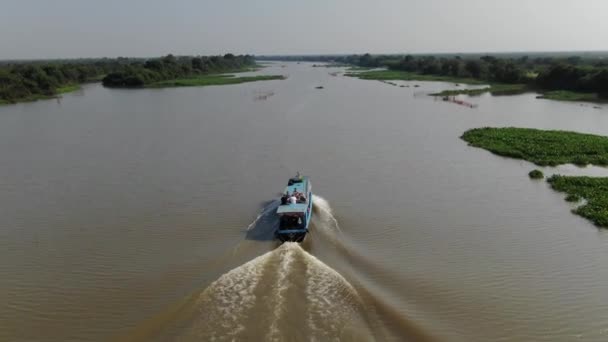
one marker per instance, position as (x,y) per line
(324,216)
(285,294)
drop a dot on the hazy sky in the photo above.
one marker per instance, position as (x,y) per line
(95,28)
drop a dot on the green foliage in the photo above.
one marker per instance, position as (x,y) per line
(586,79)
(567,95)
(28,81)
(409,76)
(536,174)
(206,80)
(573,198)
(68,88)
(494,89)
(593,189)
(541,147)
(172,71)
(587,76)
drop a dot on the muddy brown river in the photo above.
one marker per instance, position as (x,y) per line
(147,215)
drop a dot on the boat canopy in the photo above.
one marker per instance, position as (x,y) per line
(292,208)
(301,185)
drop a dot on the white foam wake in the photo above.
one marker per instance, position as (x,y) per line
(282,295)
(324,214)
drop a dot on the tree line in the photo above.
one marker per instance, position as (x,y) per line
(38,79)
(543,72)
(171,67)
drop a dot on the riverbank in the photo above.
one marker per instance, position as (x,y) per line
(396,75)
(565,95)
(494,89)
(68,88)
(541,147)
(208,80)
(32,98)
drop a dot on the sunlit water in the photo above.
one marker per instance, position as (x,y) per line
(148,215)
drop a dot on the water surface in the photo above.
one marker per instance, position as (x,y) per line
(129,213)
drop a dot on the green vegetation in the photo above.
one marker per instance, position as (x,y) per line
(593,189)
(494,89)
(541,147)
(536,174)
(68,88)
(34,80)
(567,95)
(385,75)
(573,198)
(586,75)
(358,68)
(173,71)
(207,80)
(30,81)
(330,65)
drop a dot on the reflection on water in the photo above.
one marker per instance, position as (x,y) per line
(138,213)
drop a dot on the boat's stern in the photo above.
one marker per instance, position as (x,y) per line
(291,235)
(295,210)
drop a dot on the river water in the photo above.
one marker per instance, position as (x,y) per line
(148,215)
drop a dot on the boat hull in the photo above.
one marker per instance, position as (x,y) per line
(292,236)
(297,234)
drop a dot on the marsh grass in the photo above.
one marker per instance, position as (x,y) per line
(494,89)
(565,95)
(208,80)
(386,75)
(593,189)
(541,147)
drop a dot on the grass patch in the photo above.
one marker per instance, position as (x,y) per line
(541,147)
(536,174)
(208,80)
(573,198)
(330,65)
(592,189)
(565,95)
(68,88)
(358,68)
(494,89)
(385,75)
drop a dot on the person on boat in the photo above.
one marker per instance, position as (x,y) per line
(284,198)
(293,199)
(302,198)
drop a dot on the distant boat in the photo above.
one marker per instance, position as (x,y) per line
(295,210)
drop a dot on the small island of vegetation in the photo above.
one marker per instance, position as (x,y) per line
(593,189)
(536,174)
(541,147)
(553,148)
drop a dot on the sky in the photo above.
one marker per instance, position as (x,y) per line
(35,29)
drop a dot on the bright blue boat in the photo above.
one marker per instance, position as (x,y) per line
(295,210)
